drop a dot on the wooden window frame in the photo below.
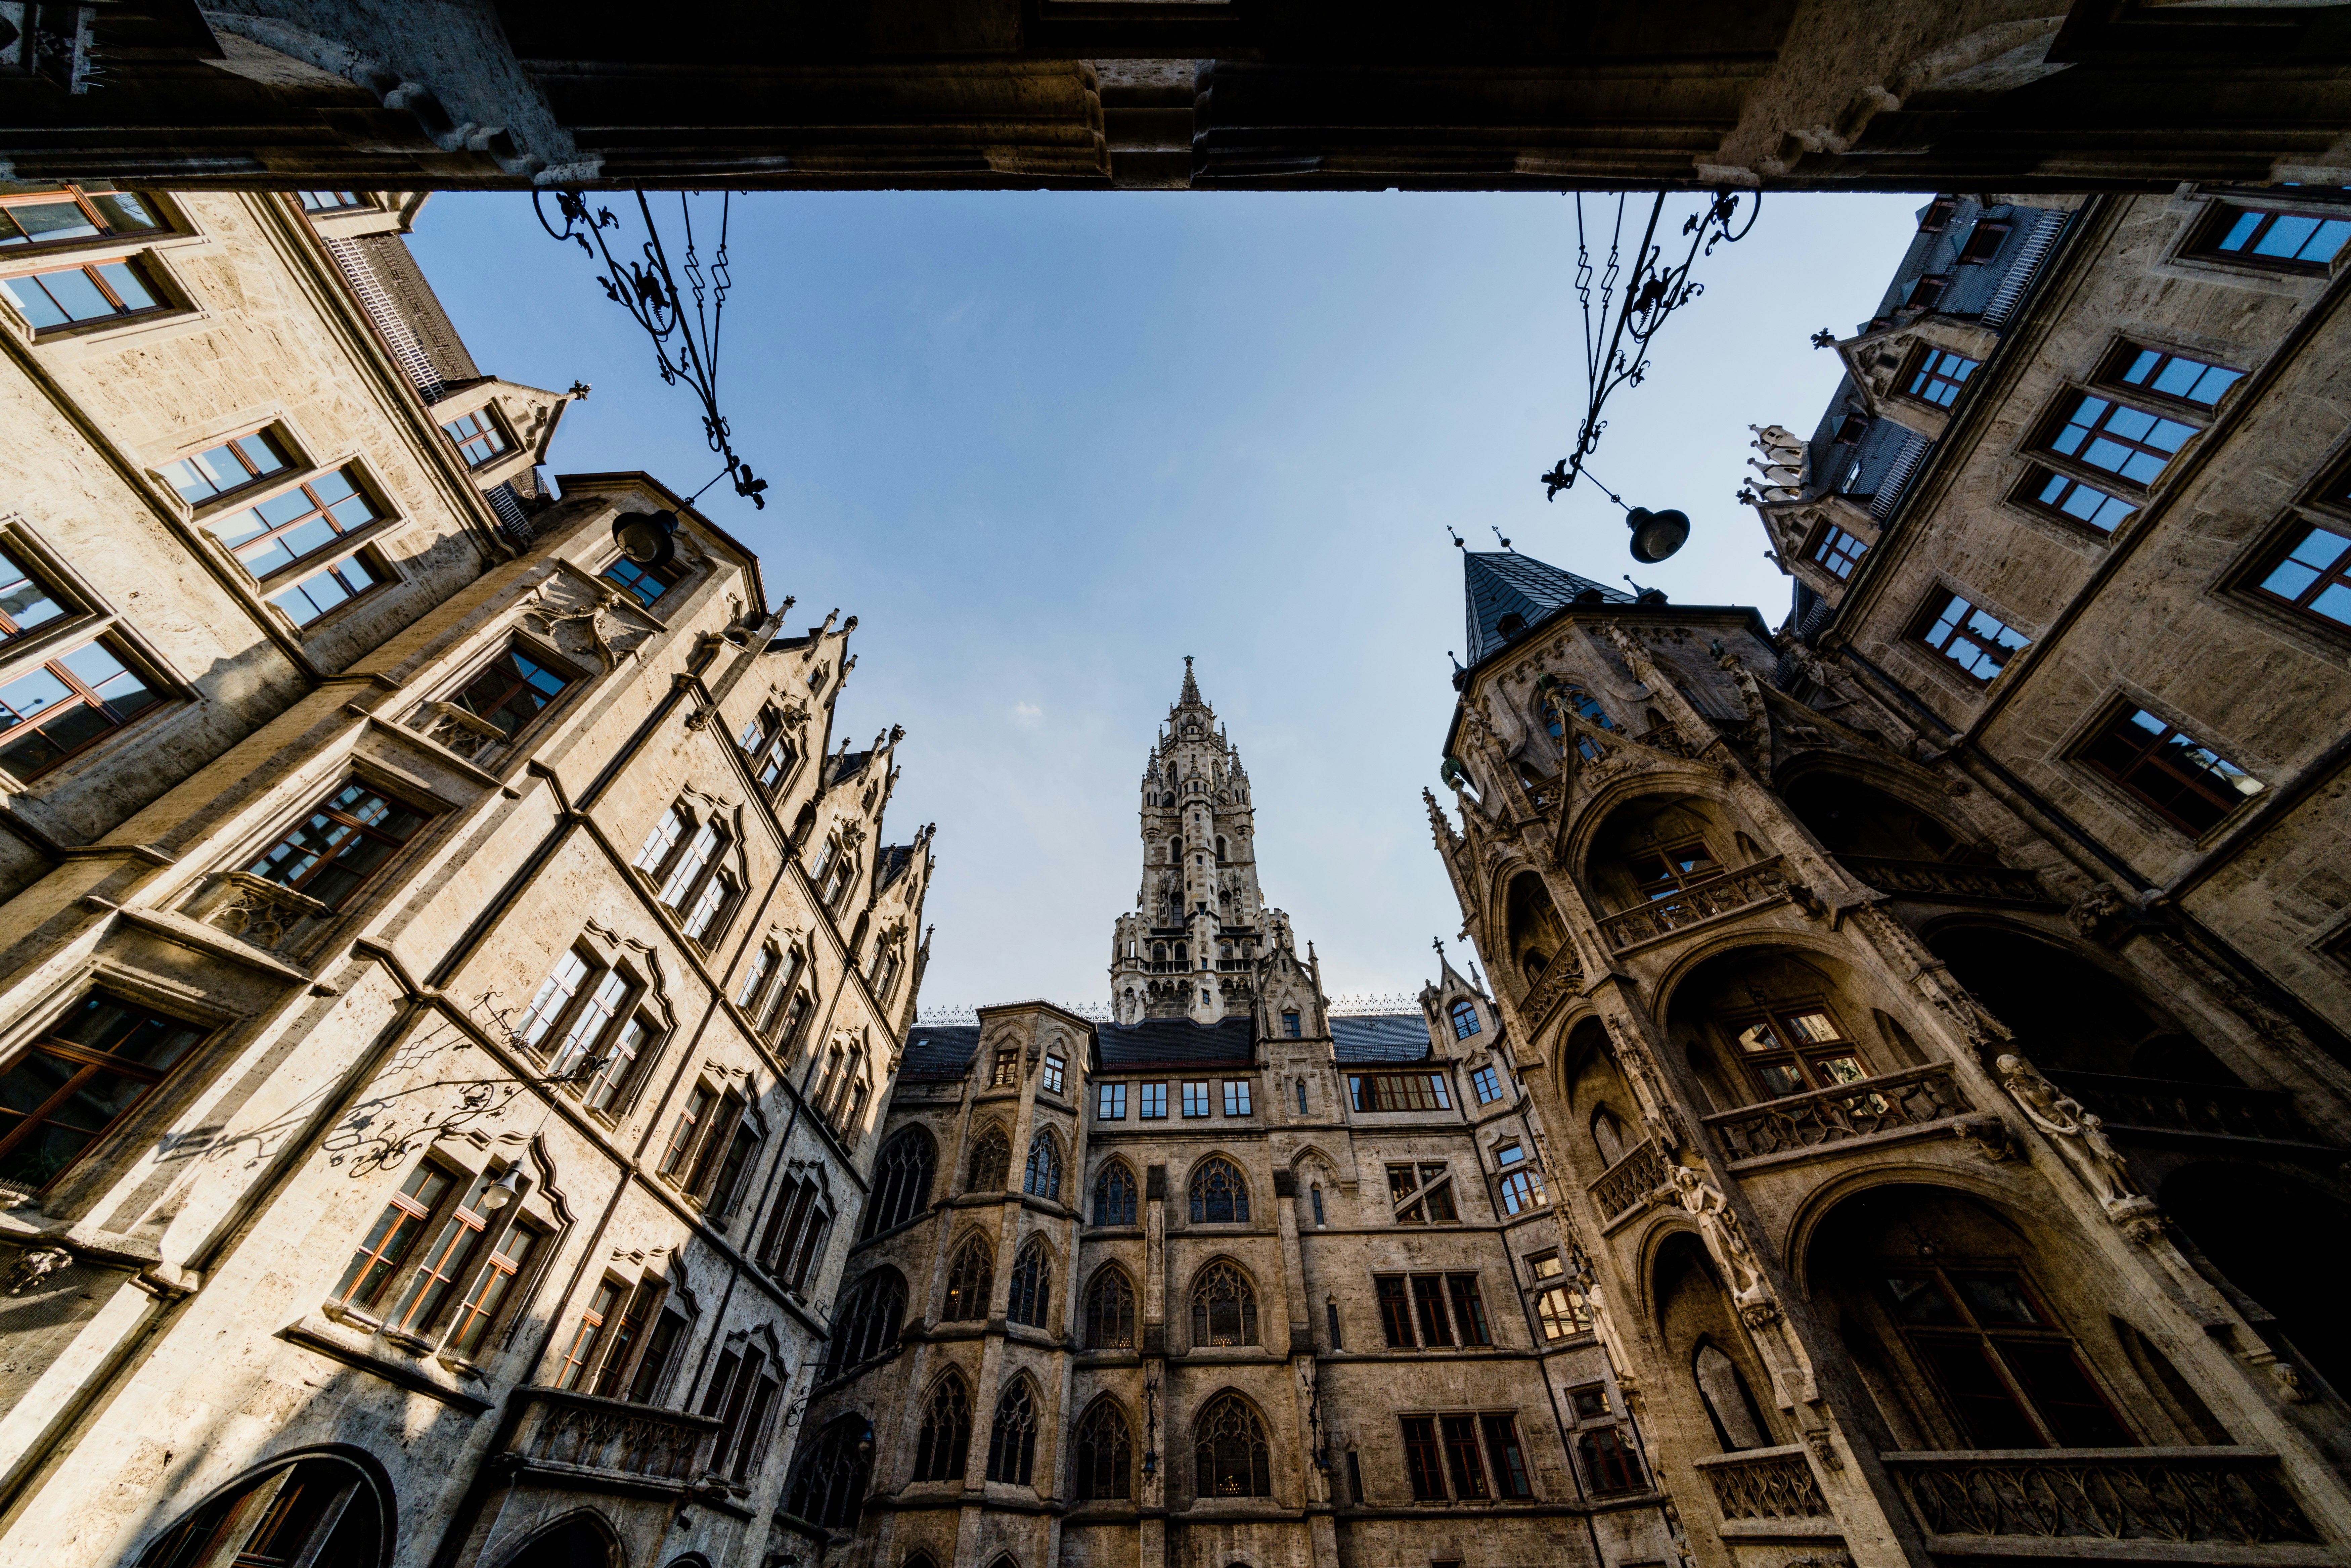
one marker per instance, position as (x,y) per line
(1410,1091)
(1922,374)
(2034,495)
(166,300)
(2125,356)
(80,194)
(2224,219)
(1798,1059)
(84,696)
(1938,629)
(272,436)
(1825,551)
(358,831)
(2049,1332)
(2114,723)
(87,1064)
(1417,1190)
(2288,542)
(494,426)
(2068,414)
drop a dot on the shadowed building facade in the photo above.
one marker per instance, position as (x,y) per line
(448,972)
(1219,1276)
(1938,1008)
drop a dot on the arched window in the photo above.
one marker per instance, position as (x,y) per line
(1229,1455)
(968,1279)
(1106,1453)
(1582,700)
(1220,848)
(1012,1440)
(832,1481)
(1736,1423)
(1465,1019)
(1043,1177)
(1607,1135)
(946,1436)
(1224,1307)
(991,1161)
(1032,1284)
(1219,1195)
(1110,1310)
(902,1180)
(1115,1194)
(866,1323)
(342,1533)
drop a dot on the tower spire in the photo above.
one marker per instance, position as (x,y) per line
(1191,686)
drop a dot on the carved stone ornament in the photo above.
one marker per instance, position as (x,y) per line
(1727,1239)
(260,911)
(2081,1136)
(2291,1387)
(457,729)
(560,601)
(40,1262)
(2099,915)
(1824,1447)
(1990,1136)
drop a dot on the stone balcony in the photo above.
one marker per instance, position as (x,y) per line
(1941,881)
(579,1442)
(1733,892)
(1891,1102)
(1764,1485)
(1996,1501)
(2172,1110)
(1624,1186)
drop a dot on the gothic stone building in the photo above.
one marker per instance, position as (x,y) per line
(1223,1278)
(448,974)
(1939,1011)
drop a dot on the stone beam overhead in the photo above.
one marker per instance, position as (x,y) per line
(1827,95)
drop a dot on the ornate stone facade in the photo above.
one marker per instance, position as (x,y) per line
(448,972)
(1219,1276)
(1949,1071)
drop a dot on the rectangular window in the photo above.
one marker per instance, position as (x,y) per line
(1421,1462)
(1462,1460)
(1054,1068)
(1110,1101)
(726,1190)
(2125,441)
(1939,376)
(702,921)
(645,1386)
(1608,1464)
(1589,1401)
(555,995)
(590,1023)
(2172,375)
(513,689)
(1154,1102)
(338,585)
(1839,551)
(510,1260)
(1236,1097)
(1428,1311)
(329,201)
(1511,1477)
(439,1264)
(1330,1315)
(1398,1092)
(1469,1309)
(72,295)
(1395,1311)
(66,705)
(686,1129)
(647,583)
(1422,1194)
(1195,1098)
(2292,242)
(1563,1315)
(1488,1085)
(271,535)
(1984,241)
(72,213)
(1290,1026)
(342,842)
(580,1350)
(1355,1476)
(1664,874)
(2312,573)
(1979,643)
(2083,502)
(384,1249)
(231,466)
(622,1340)
(26,601)
(1301,1097)
(1008,1069)
(1797,1050)
(477,436)
(79,1077)
(2190,784)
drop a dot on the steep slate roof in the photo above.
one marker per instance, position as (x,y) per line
(1385,1037)
(892,860)
(1175,1042)
(937,1053)
(1504,583)
(847,765)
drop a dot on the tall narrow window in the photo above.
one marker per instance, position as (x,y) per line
(1301,1096)
(1106,1453)
(941,1448)
(1042,1176)
(79,1078)
(902,1180)
(385,1248)
(687,1128)
(991,1161)
(1423,1460)
(652,1367)
(511,1259)
(66,705)
(1110,1310)
(1219,1194)
(1462,1460)
(589,1023)
(685,875)
(968,1281)
(2190,784)
(1032,1285)
(1979,643)
(1469,1309)
(1115,1194)
(1153,1098)
(1224,1308)
(440,1262)
(579,1348)
(1012,1437)
(1511,1478)
(1316,1194)
(1230,1456)
(866,1326)
(1050,1081)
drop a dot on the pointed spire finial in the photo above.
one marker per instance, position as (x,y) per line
(1191,687)
(1498,534)
(1457,543)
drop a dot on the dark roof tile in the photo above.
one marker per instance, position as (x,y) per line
(1384,1037)
(1175,1042)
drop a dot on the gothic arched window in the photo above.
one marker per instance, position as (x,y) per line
(1229,1454)
(1115,1194)
(1219,1195)
(1043,1177)
(1032,1285)
(968,1279)
(1224,1307)
(867,1321)
(902,1180)
(1106,1453)
(832,1481)
(1465,1019)
(991,1161)
(946,1436)
(1012,1442)
(1110,1310)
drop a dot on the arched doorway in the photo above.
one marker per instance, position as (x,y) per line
(2254,1230)
(325,1511)
(580,1541)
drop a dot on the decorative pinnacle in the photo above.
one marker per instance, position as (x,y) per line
(1191,687)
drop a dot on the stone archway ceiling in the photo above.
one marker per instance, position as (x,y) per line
(2015,95)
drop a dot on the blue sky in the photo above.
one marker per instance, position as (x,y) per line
(1046,444)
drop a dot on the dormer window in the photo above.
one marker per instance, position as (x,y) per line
(1465,1019)
(1510,625)
(768,751)
(647,583)
(477,437)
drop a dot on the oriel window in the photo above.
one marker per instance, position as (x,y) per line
(1795,1049)
(1839,551)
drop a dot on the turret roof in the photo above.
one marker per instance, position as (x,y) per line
(1504,583)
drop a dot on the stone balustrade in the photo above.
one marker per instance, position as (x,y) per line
(2187,1495)
(1941,879)
(1908,1099)
(2217,1110)
(601,1444)
(1731,892)
(1763,1483)
(1628,1183)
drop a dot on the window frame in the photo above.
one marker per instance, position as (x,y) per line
(2049,1332)
(1195,1097)
(79,193)
(2285,541)
(1938,610)
(1822,550)
(1376,1083)
(1796,1057)
(109,636)
(520,646)
(2205,237)
(2117,716)
(142,267)
(1236,1097)
(395,847)
(2114,373)
(488,412)
(1110,1101)
(88,1062)
(1923,372)
(2064,415)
